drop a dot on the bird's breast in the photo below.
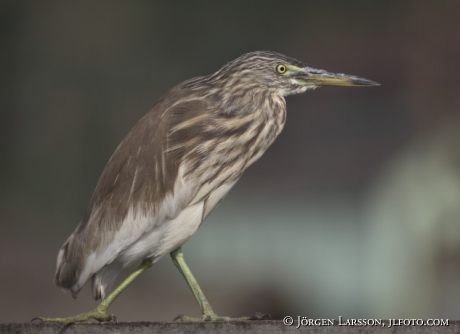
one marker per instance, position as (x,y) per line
(233,144)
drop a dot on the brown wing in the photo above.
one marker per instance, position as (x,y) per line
(138,176)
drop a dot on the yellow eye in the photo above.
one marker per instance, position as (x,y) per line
(281,69)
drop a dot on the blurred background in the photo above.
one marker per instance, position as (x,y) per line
(354,211)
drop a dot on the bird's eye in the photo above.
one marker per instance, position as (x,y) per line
(281,69)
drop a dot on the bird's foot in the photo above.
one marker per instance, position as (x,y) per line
(215,317)
(99,314)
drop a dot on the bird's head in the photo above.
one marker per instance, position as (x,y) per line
(279,74)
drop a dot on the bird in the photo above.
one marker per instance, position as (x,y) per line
(174,166)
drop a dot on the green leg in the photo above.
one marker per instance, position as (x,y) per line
(100,312)
(208,314)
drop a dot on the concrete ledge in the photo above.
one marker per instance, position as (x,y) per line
(262,327)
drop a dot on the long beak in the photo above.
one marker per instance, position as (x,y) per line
(316,77)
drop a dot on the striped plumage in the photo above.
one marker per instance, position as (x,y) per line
(179,161)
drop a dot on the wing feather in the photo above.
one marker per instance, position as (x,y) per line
(139,189)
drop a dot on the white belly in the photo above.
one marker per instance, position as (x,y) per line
(166,237)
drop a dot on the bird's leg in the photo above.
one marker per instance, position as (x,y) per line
(100,312)
(208,314)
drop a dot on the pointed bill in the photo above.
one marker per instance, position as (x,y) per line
(317,77)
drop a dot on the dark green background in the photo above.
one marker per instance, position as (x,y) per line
(354,211)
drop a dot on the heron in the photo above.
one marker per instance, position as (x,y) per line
(174,166)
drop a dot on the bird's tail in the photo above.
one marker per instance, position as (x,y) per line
(69,273)
(75,267)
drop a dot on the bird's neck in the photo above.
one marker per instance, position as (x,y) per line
(249,101)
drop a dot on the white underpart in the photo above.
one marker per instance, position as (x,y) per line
(140,236)
(216,197)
